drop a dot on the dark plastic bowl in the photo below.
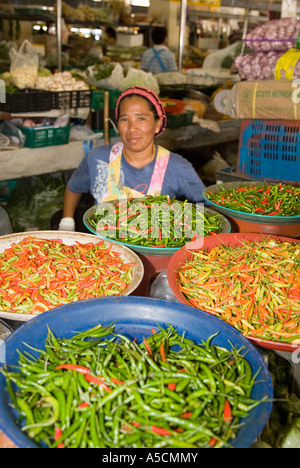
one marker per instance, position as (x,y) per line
(135,317)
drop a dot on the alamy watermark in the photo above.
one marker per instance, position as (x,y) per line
(155,221)
(2,92)
(296,93)
(2,352)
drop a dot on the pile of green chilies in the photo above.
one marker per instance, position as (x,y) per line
(261,199)
(100,389)
(122,225)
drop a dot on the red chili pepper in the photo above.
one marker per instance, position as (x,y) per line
(75,367)
(162,352)
(277,204)
(84,404)
(117,381)
(227,412)
(147,347)
(91,378)
(172,386)
(187,415)
(57,435)
(160,430)
(294,292)
(212,442)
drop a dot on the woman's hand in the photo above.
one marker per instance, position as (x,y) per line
(67,224)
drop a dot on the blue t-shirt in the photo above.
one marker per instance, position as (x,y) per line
(180,181)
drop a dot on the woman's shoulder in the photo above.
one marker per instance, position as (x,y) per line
(178,160)
(100,152)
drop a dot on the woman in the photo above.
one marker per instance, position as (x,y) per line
(136,166)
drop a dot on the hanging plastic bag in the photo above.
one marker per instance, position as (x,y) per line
(160,288)
(83,133)
(13,133)
(24,66)
(136,77)
(105,76)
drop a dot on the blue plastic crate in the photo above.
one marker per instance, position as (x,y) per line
(270,150)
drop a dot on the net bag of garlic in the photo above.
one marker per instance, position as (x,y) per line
(277,35)
(269,65)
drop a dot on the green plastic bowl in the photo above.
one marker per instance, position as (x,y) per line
(154,251)
(250,217)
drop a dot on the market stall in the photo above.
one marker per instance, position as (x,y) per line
(228,374)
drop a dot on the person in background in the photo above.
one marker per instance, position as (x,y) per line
(159,59)
(110,35)
(109,38)
(5,224)
(134,167)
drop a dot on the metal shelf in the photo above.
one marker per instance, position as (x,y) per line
(254,5)
(194,15)
(47,17)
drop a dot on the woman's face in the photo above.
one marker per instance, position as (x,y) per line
(136,124)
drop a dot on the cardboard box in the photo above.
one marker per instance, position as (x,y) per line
(130,40)
(267,99)
(208,43)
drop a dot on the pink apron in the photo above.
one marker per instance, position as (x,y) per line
(117,191)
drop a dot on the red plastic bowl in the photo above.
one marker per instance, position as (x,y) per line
(185,254)
(176,107)
(240,225)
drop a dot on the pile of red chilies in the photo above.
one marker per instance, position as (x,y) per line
(254,286)
(39,274)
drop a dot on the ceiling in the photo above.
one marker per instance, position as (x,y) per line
(260,4)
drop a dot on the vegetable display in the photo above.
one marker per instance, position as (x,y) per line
(264,199)
(60,81)
(155,222)
(39,274)
(254,286)
(267,65)
(100,389)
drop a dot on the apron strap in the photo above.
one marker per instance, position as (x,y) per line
(87,146)
(156,56)
(115,191)
(159,171)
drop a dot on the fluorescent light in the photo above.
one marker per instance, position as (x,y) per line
(140,3)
